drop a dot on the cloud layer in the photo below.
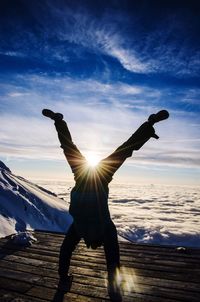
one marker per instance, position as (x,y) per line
(154,214)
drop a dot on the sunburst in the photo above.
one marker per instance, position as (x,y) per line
(92,159)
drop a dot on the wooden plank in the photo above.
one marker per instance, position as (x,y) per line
(100,253)
(6,296)
(96,296)
(47,261)
(49,283)
(50,293)
(97,255)
(138,285)
(18,275)
(139,253)
(21,267)
(16,285)
(137,257)
(24,298)
(138,269)
(149,261)
(81,273)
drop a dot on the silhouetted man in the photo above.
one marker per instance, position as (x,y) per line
(89,198)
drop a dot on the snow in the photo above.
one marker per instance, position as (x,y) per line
(23,238)
(26,206)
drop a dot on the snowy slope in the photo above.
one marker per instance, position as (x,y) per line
(24,205)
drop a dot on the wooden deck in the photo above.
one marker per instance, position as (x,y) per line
(152,273)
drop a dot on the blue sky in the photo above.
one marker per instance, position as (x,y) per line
(106,65)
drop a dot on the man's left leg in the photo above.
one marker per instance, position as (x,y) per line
(74,157)
(111,164)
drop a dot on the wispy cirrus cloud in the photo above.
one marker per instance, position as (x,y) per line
(67,33)
(138,49)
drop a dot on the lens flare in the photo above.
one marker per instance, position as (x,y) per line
(129,281)
(126,281)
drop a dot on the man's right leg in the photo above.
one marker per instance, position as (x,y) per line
(67,247)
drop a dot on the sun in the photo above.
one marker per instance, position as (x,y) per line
(92,159)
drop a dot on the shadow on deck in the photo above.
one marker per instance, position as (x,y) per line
(152,273)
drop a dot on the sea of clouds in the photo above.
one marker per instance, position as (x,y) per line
(158,214)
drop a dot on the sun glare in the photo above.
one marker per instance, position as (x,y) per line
(92,159)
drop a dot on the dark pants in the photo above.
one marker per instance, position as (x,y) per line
(109,166)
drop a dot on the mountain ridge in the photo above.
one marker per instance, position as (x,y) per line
(27,206)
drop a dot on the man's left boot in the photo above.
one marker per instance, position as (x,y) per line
(54,116)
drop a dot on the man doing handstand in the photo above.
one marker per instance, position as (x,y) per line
(89,197)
